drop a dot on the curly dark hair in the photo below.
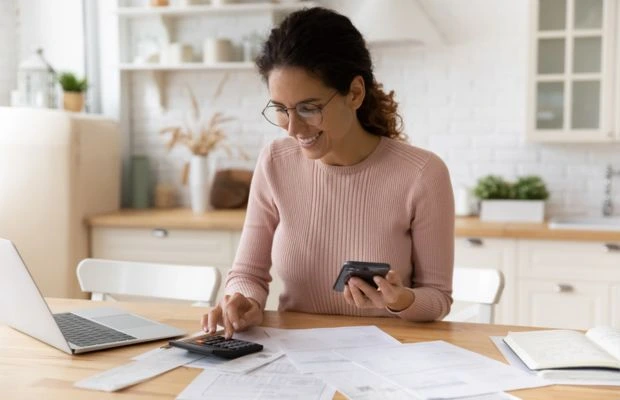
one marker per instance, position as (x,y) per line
(327,45)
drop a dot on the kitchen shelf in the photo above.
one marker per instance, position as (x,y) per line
(197,66)
(172,11)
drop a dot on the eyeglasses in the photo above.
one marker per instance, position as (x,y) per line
(311,114)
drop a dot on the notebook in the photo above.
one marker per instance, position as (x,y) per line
(597,348)
(23,308)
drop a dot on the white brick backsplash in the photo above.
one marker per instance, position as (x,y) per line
(465,100)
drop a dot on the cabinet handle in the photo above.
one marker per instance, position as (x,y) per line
(612,247)
(475,242)
(159,233)
(564,288)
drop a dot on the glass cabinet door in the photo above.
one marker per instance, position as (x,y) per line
(571,71)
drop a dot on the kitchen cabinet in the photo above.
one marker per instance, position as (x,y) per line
(499,254)
(567,284)
(573,59)
(552,283)
(615,305)
(215,248)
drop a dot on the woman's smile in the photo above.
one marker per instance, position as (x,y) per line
(308,141)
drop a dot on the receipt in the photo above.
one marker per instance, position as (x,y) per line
(138,371)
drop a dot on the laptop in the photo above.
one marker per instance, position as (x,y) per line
(23,308)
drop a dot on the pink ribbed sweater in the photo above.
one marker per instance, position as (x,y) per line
(306,218)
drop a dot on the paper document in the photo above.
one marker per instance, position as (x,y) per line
(312,350)
(359,383)
(578,376)
(436,370)
(212,385)
(148,367)
(239,365)
(330,338)
(490,396)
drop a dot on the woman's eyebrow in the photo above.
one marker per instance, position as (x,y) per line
(308,100)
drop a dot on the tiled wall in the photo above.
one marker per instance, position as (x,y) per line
(8,49)
(465,100)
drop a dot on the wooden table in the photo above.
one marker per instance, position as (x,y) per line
(30,369)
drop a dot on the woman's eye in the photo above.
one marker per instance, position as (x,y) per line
(280,110)
(307,108)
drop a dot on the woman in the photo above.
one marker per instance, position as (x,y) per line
(343,185)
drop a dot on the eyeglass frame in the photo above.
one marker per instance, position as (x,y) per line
(319,108)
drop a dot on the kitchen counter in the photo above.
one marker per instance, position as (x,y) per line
(182,218)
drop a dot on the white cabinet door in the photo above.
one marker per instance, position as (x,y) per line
(571,71)
(497,254)
(175,246)
(615,306)
(566,284)
(563,303)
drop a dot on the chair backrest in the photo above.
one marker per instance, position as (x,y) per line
(106,278)
(481,286)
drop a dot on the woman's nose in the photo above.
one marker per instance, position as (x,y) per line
(295,124)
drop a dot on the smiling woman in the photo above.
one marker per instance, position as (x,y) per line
(344,185)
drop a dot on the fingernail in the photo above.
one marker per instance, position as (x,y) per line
(235,325)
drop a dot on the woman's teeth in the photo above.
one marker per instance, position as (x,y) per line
(308,141)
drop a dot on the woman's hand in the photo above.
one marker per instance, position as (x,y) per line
(235,313)
(391,293)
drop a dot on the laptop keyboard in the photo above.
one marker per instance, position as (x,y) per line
(83,332)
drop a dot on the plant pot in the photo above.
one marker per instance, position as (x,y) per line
(73,101)
(201,174)
(512,210)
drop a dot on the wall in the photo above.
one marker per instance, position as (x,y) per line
(56,26)
(465,100)
(26,25)
(8,50)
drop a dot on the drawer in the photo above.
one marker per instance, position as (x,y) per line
(588,261)
(563,303)
(179,246)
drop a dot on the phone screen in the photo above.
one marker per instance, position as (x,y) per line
(361,269)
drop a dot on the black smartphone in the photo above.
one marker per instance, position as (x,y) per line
(361,269)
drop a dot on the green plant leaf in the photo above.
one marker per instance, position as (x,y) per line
(70,83)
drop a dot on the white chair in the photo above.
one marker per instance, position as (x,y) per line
(108,278)
(481,286)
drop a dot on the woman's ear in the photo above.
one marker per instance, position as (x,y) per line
(357,92)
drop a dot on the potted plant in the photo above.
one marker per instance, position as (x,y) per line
(521,201)
(73,91)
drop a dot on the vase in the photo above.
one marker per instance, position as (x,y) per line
(73,101)
(201,174)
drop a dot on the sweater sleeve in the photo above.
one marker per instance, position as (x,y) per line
(432,230)
(249,274)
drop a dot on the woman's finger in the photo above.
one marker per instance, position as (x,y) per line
(359,298)
(393,278)
(347,295)
(369,292)
(228,327)
(213,318)
(389,291)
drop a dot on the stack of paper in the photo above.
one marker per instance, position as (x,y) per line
(361,362)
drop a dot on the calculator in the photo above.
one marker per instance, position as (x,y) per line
(218,346)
